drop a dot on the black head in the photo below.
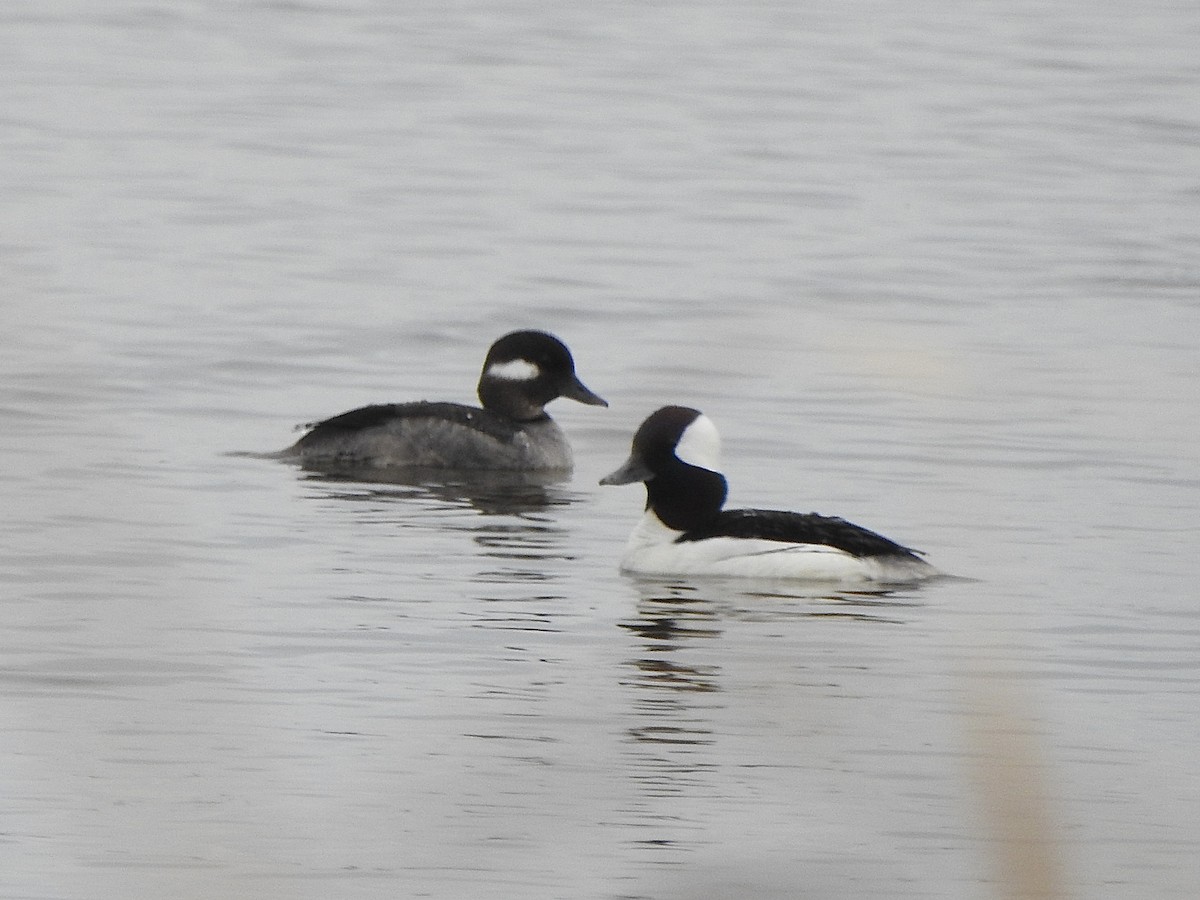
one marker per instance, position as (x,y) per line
(525,370)
(676,452)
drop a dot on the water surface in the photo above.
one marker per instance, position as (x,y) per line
(934,270)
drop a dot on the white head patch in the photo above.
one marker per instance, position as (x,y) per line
(514,370)
(700,445)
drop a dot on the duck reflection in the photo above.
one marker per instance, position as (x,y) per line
(669,709)
(675,618)
(684,636)
(488,492)
(736,600)
(512,535)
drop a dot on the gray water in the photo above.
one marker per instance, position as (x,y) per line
(934,269)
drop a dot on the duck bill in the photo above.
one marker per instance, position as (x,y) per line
(632,470)
(577,390)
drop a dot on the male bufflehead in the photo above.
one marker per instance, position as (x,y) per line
(686,532)
(523,372)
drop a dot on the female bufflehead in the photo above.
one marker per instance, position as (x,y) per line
(523,372)
(686,532)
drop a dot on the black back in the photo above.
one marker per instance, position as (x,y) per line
(798,528)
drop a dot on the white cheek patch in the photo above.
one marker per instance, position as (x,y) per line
(514,370)
(700,445)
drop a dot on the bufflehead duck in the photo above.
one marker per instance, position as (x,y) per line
(523,372)
(686,532)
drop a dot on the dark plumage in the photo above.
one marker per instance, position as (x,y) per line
(523,371)
(798,528)
(492,424)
